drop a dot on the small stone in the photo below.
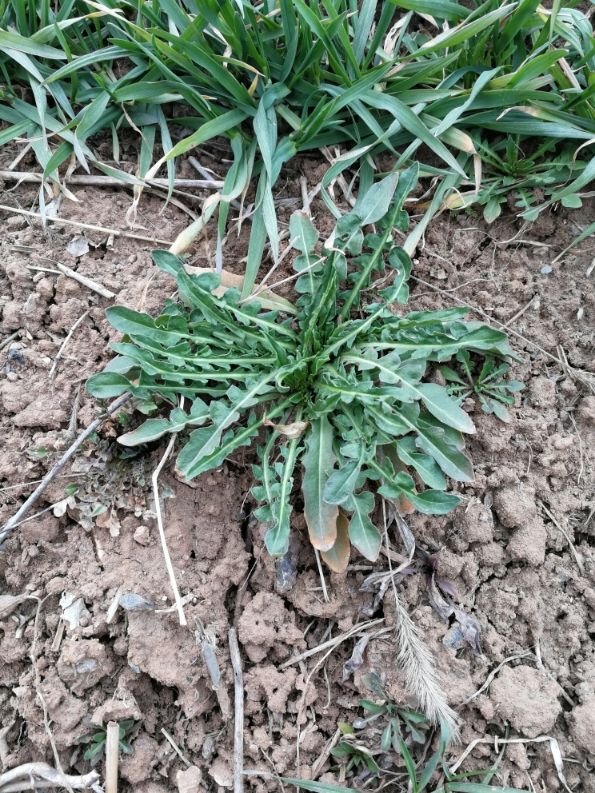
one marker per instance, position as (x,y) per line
(120,646)
(450,564)
(83,663)
(117,710)
(189,780)
(542,392)
(439,273)
(45,412)
(208,748)
(491,555)
(515,505)
(16,222)
(546,269)
(45,528)
(55,585)
(486,707)
(517,753)
(142,535)
(561,442)
(220,771)
(528,543)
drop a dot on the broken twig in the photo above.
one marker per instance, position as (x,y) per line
(176,748)
(332,643)
(94,180)
(498,742)
(65,222)
(577,557)
(64,343)
(112,756)
(10,338)
(82,279)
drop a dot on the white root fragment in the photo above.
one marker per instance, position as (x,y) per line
(168,563)
(238,734)
(41,776)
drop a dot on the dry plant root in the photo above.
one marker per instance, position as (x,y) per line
(41,776)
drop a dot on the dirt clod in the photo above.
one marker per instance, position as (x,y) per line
(516,692)
(137,766)
(267,625)
(582,725)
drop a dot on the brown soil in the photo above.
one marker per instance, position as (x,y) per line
(520,552)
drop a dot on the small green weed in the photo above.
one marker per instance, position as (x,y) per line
(38,453)
(484,379)
(391,744)
(96,741)
(355,757)
(394,730)
(339,385)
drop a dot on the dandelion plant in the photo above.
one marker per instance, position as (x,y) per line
(335,396)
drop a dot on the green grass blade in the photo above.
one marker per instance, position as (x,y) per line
(408,119)
(14,41)
(441,9)
(466,30)
(256,247)
(82,62)
(210,129)
(316,787)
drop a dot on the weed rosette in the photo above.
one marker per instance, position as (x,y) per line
(333,385)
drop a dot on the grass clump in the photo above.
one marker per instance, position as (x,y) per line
(500,95)
(338,390)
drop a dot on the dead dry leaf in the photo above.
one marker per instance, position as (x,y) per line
(469,629)
(73,609)
(78,246)
(337,557)
(357,657)
(291,431)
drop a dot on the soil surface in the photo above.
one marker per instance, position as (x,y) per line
(92,633)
